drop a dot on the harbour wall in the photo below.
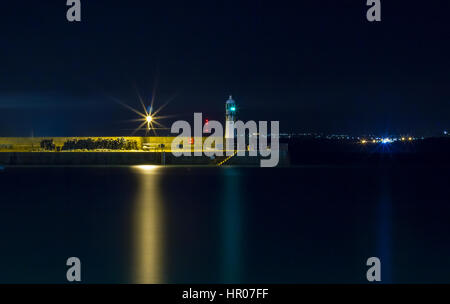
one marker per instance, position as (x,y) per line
(125,158)
(150,151)
(29,144)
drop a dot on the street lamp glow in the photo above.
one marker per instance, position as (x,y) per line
(148,118)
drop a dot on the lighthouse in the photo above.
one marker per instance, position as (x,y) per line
(230,118)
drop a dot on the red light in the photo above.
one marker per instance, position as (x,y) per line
(206,120)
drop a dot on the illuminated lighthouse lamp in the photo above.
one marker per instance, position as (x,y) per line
(230,118)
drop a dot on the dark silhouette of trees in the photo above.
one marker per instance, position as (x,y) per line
(47,144)
(100,144)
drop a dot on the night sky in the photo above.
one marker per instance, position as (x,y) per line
(316,65)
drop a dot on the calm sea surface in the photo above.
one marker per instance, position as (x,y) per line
(224,225)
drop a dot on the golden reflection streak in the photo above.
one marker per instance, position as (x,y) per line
(148,228)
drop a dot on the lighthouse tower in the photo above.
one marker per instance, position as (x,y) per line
(230,118)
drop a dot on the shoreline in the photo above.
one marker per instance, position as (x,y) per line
(125,159)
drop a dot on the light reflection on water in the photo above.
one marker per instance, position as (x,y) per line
(148,228)
(231,226)
(384,227)
(152,224)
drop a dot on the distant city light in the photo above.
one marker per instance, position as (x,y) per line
(410,138)
(403,139)
(445,132)
(363,141)
(386,140)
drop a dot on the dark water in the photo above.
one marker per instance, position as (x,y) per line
(224,225)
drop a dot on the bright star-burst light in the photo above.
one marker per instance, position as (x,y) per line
(148,118)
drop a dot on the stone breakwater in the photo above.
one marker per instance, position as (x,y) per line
(121,159)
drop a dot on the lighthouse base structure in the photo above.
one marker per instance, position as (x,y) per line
(229,130)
